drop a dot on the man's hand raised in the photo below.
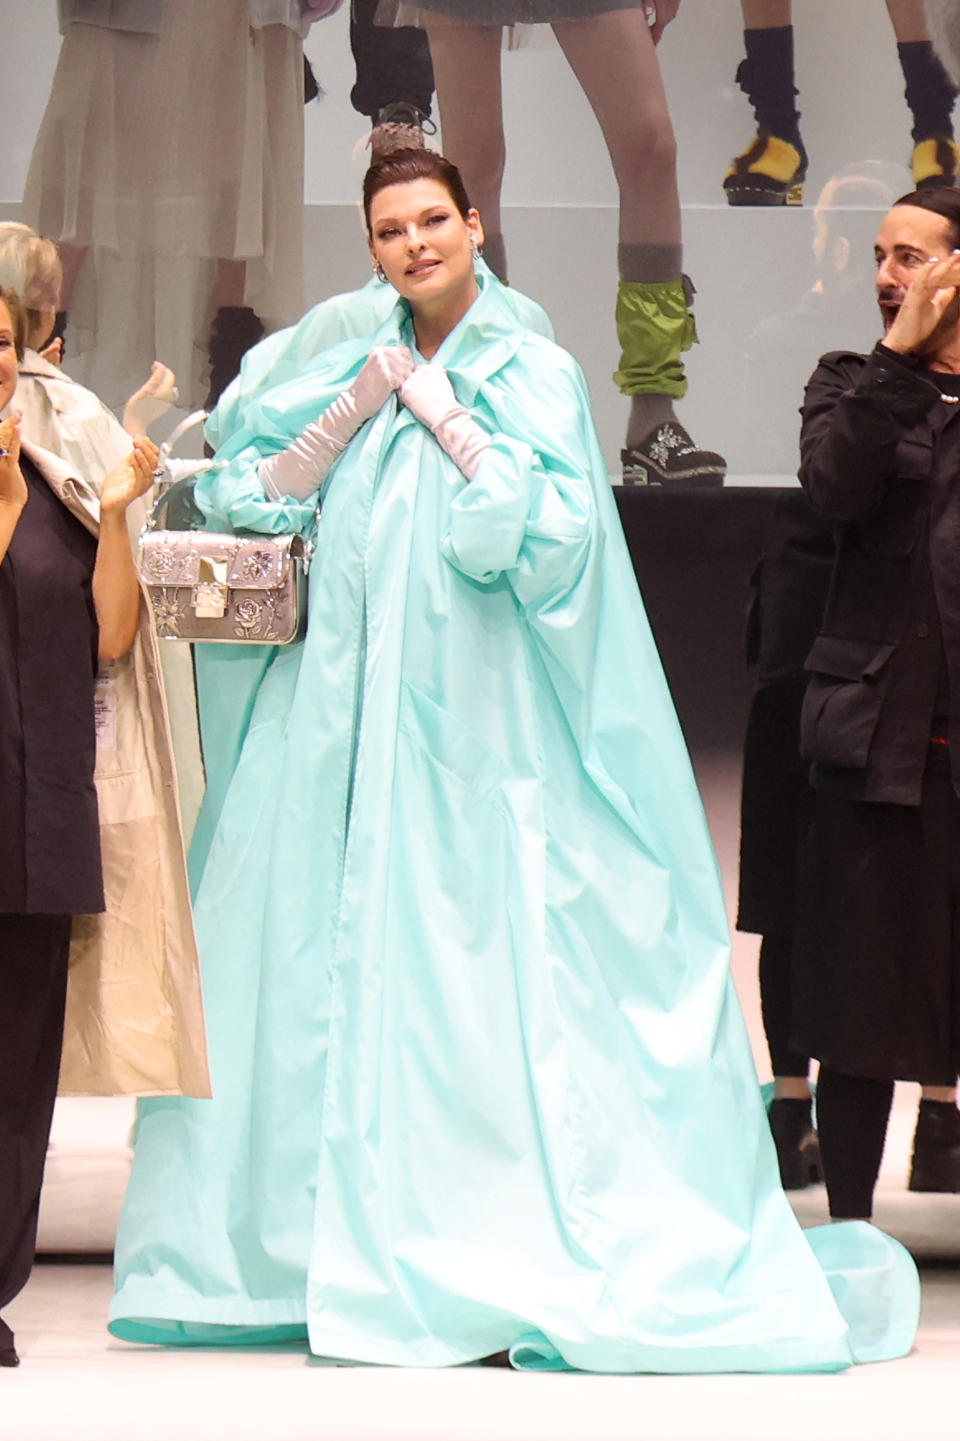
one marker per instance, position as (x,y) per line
(924,305)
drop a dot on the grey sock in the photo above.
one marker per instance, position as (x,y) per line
(646,412)
(495,254)
(650,264)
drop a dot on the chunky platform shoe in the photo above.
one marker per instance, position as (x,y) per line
(935,161)
(668,456)
(798,1149)
(234,330)
(769,172)
(936,1148)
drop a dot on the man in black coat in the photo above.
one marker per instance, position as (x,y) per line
(877,991)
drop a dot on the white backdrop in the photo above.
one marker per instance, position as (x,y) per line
(560,195)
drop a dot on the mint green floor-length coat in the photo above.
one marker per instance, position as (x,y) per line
(480,1077)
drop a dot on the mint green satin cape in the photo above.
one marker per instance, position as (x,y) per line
(481,1079)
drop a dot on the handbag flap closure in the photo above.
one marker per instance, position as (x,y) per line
(259,566)
(177,557)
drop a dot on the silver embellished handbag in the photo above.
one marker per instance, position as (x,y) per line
(243,589)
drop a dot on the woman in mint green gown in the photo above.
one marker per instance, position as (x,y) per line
(481,1082)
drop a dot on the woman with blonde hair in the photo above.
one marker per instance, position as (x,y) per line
(59,413)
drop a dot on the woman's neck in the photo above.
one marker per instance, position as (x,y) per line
(433,323)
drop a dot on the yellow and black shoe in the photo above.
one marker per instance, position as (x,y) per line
(770,171)
(935,161)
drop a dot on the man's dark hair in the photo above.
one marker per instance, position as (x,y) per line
(942,200)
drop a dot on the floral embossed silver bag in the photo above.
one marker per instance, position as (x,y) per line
(242,589)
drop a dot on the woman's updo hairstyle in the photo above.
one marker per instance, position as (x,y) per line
(397,160)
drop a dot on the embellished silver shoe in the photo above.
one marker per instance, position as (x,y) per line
(668,456)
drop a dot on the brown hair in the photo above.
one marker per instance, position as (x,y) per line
(942,200)
(18,315)
(399,167)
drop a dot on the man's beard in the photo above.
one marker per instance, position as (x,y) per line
(947,327)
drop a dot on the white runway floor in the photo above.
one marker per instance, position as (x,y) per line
(77,1384)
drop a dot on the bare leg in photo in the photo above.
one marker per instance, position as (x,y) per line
(772,168)
(466,69)
(614,59)
(930,94)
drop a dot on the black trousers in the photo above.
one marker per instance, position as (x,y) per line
(775,800)
(776,984)
(876,982)
(34,952)
(852,1115)
(392,64)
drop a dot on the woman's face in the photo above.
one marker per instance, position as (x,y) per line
(424,244)
(8,357)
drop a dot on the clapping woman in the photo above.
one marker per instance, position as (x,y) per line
(70,605)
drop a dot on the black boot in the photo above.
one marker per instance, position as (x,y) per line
(772,169)
(234,330)
(798,1149)
(936,1148)
(310,87)
(931,97)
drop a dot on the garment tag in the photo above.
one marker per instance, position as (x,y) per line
(105,711)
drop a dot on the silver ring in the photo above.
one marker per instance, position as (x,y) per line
(175,394)
(3,452)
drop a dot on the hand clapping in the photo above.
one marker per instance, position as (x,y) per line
(153,399)
(131,478)
(13,487)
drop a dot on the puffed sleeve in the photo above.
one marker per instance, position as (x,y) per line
(517,517)
(233,498)
(530,511)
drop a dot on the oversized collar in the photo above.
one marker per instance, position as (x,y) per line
(483,342)
(33,363)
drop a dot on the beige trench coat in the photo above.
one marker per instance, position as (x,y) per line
(134,1023)
(64,417)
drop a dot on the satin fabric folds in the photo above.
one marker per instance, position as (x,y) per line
(480,1077)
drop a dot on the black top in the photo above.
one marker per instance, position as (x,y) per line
(881,455)
(49,832)
(790,589)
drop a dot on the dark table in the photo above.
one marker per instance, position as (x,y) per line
(693,553)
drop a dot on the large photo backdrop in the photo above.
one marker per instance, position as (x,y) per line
(753,268)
